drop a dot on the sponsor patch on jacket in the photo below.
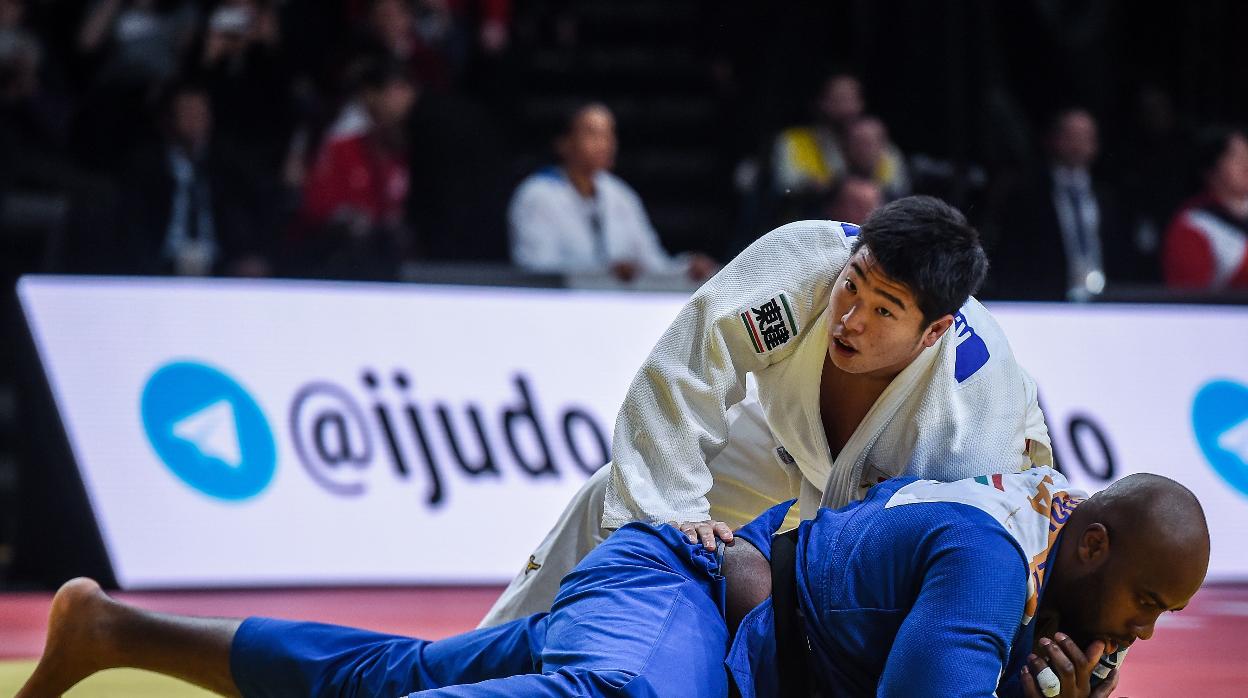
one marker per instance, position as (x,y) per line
(770,324)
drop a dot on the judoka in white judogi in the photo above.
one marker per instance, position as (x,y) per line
(723,419)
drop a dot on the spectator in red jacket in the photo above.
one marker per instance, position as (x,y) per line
(352,219)
(1206,245)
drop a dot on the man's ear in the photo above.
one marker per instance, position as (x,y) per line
(936,330)
(1094,544)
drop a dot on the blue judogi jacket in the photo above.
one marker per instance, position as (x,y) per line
(924,598)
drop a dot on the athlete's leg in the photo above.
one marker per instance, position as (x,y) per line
(641,615)
(282,658)
(90,632)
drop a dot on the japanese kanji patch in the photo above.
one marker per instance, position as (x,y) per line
(770,324)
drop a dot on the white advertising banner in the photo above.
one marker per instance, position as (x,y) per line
(246,433)
(273,433)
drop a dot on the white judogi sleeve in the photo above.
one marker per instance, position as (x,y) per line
(673,419)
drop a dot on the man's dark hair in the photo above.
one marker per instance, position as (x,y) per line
(1208,147)
(927,245)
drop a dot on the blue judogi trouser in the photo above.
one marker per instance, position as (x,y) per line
(642,615)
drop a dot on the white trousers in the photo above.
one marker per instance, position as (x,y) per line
(749,476)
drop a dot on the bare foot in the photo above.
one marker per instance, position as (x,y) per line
(78,643)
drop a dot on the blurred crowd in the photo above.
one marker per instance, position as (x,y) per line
(1173,213)
(342,139)
(239,137)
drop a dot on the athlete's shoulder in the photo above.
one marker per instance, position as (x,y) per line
(810,235)
(1025,504)
(1013,488)
(822,226)
(801,258)
(979,345)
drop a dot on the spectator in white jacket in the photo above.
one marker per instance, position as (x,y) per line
(578,217)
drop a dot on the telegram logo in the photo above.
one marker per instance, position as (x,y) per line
(1220,420)
(208,431)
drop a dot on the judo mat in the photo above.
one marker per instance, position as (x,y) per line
(1201,651)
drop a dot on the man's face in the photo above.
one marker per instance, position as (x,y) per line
(11,13)
(1119,601)
(856,199)
(876,326)
(192,118)
(1231,171)
(1075,142)
(391,104)
(591,145)
(865,144)
(391,20)
(841,101)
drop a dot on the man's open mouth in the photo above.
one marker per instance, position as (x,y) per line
(843,347)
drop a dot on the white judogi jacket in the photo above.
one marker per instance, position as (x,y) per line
(963,408)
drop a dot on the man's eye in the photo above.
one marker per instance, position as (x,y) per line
(884,312)
(849,286)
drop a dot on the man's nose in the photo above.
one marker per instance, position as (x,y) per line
(852,320)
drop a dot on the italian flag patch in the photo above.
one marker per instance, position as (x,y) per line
(991,481)
(770,324)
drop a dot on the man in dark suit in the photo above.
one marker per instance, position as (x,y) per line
(1063,234)
(188,205)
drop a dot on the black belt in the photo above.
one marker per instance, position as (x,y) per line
(792,647)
